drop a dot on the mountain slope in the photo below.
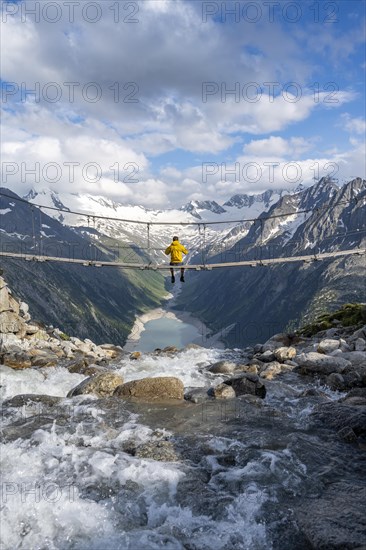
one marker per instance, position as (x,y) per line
(96,303)
(255,303)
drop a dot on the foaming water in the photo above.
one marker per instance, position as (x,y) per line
(79,473)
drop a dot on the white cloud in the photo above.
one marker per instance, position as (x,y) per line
(278,147)
(353,125)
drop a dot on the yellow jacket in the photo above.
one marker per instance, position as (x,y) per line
(175,250)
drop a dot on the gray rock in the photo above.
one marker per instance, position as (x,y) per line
(157,450)
(357,358)
(223,391)
(271,370)
(16,360)
(46,359)
(247,383)
(336,520)
(335,381)
(340,415)
(196,395)
(328,345)
(360,344)
(101,385)
(222,367)
(317,363)
(267,357)
(252,368)
(25,398)
(285,354)
(161,387)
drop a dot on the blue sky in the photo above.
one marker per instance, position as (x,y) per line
(148,97)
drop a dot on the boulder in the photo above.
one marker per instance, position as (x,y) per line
(222,367)
(161,387)
(10,322)
(336,381)
(328,345)
(247,383)
(356,358)
(10,342)
(43,358)
(196,395)
(267,357)
(102,385)
(276,341)
(318,363)
(271,370)
(284,354)
(360,344)
(17,360)
(135,355)
(251,368)
(223,391)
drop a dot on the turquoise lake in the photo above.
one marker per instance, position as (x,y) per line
(163,332)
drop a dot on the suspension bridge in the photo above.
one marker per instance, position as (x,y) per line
(155,265)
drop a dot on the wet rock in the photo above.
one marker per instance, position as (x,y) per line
(356,392)
(247,383)
(193,346)
(271,370)
(157,450)
(196,395)
(335,381)
(341,415)
(161,387)
(223,391)
(337,519)
(45,359)
(347,434)
(251,368)
(170,349)
(26,398)
(267,357)
(356,358)
(17,360)
(318,363)
(135,355)
(328,345)
(222,367)
(258,348)
(101,385)
(78,366)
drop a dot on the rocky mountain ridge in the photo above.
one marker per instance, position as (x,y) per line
(256,302)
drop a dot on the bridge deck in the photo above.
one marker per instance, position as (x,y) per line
(198,267)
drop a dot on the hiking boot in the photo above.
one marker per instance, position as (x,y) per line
(182,278)
(173,279)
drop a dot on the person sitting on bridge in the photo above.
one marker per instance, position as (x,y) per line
(176,259)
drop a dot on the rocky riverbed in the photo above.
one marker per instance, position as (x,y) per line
(194,448)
